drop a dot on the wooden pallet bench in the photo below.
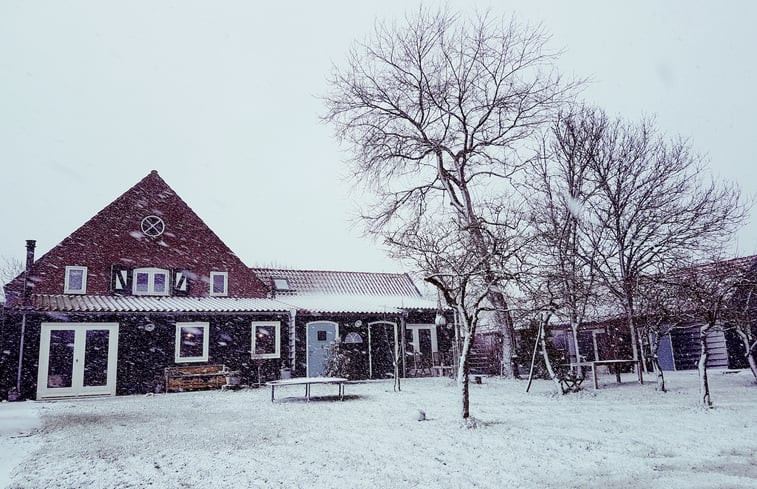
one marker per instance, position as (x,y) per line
(195,377)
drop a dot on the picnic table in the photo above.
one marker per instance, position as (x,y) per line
(595,363)
(307,382)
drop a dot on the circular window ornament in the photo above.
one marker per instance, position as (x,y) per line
(153,226)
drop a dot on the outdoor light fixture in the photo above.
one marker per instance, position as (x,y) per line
(440,320)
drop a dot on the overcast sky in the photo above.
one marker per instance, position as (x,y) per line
(221,99)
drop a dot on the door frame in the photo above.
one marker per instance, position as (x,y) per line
(307,340)
(416,336)
(395,353)
(77,388)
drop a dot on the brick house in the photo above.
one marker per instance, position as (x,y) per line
(145,285)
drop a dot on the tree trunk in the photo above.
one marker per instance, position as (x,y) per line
(463,369)
(494,294)
(502,317)
(462,374)
(749,351)
(574,329)
(752,363)
(704,386)
(632,330)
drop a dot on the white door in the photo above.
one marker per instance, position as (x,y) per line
(320,337)
(77,359)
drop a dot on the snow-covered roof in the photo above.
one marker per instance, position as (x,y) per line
(357,303)
(310,303)
(327,291)
(315,291)
(328,282)
(104,303)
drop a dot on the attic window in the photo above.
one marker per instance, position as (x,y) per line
(281,284)
(153,226)
(150,281)
(219,283)
(75,280)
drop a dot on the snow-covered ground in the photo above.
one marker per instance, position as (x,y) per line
(623,435)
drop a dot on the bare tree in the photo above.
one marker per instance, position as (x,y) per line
(654,206)
(10,268)
(708,291)
(658,311)
(462,278)
(560,185)
(741,313)
(435,110)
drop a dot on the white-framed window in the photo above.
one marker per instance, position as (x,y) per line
(219,283)
(75,281)
(266,339)
(192,341)
(150,281)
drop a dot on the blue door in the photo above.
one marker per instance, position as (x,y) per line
(320,336)
(665,354)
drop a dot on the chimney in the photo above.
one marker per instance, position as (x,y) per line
(28,284)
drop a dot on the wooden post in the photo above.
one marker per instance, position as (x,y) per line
(402,342)
(370,353)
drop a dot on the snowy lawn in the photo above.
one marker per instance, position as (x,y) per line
(623,435)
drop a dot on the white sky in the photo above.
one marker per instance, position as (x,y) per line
(221,99)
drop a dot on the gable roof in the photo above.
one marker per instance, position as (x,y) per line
(114,236)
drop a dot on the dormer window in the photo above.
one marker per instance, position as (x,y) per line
(281,284)
(219,283)
(75,280)
(150,281)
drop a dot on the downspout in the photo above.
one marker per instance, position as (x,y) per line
(292,338)
(370,354)
(21,354)
(30,245)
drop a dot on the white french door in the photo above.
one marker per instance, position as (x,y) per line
(77,359)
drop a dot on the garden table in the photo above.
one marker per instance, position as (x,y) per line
(307,382)
(595,363)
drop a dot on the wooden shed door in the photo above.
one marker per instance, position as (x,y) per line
(77,359)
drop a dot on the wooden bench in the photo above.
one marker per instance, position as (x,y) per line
(195,377)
